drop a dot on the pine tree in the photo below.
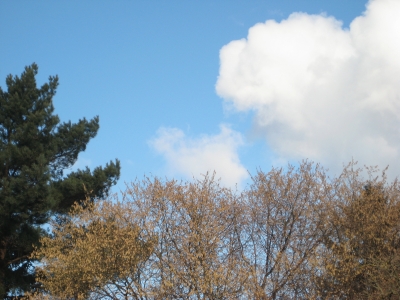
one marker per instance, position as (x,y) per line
(35,149)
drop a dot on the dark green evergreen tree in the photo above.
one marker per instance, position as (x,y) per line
(35,149)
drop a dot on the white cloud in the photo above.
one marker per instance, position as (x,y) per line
(195,157)
(320,91)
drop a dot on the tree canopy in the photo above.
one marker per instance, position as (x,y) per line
(293,233)
(35,150)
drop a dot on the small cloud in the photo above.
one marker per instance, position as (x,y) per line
(194,157)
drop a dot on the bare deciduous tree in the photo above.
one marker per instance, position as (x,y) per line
(196,255)
(282,230)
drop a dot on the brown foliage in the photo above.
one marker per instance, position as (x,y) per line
(360,254)
(293,234)
(97,251)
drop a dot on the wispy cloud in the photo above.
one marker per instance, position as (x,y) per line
(320,91)
(194,157)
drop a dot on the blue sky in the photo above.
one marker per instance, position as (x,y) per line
(176,95)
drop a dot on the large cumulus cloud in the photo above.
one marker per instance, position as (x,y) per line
(320,91)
